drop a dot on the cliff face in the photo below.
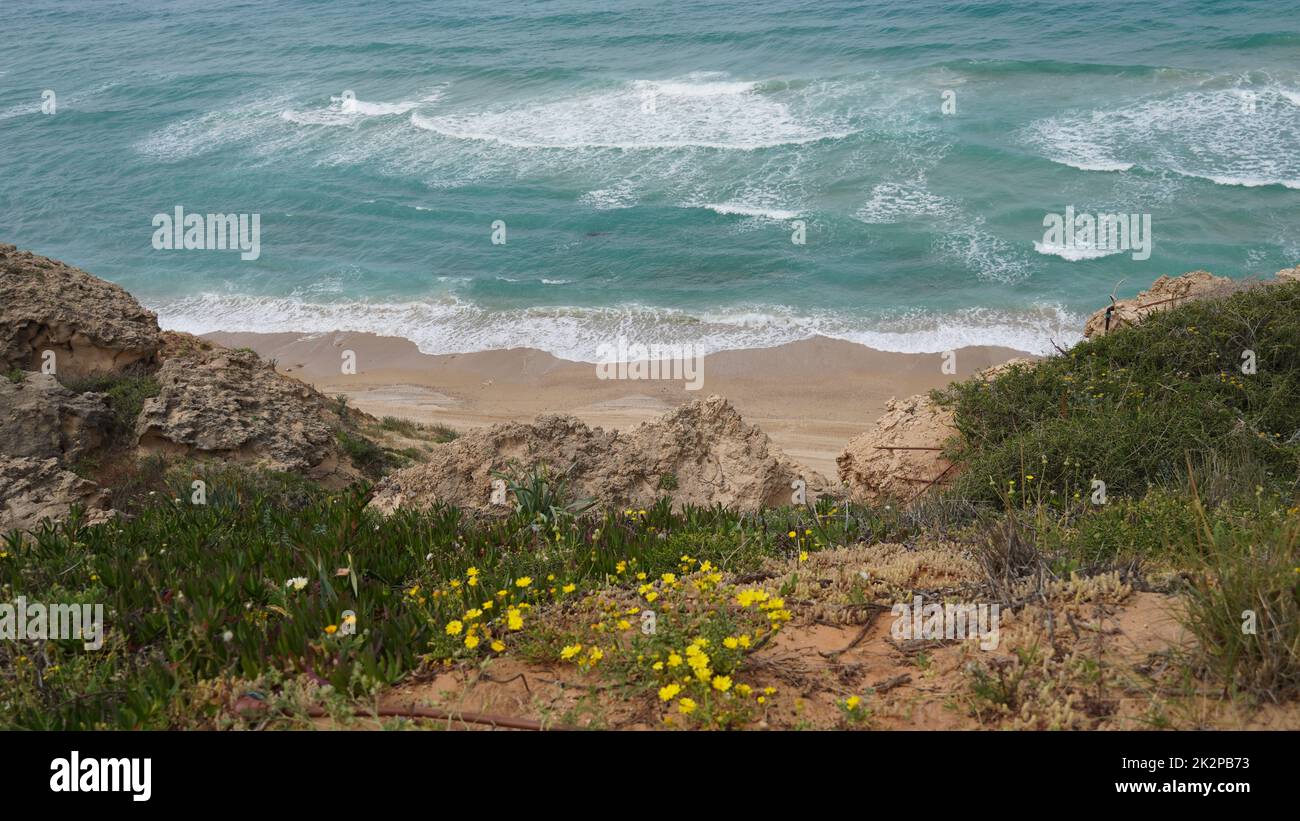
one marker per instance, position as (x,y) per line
(44,430)
(90,326)
(60,327)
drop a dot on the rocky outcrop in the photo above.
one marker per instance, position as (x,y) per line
(229,404)
(901,456)
(40,418)
(32,489)
(1288,275)
(212,402)
(702,453)
(45,429)
(90,325)
(1165,293)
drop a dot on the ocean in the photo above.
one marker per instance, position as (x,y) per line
(724,174)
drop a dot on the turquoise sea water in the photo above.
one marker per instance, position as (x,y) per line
(649,160)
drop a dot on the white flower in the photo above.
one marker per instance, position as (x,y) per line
(227,636)
(297,582)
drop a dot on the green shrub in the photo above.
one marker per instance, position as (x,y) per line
(126,394)
(196,595)
(405,427)
(1130,407)
(369,458)
(1243,605)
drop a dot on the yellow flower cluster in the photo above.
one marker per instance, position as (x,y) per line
(774,607)
(480,624)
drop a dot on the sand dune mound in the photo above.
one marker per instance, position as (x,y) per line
(92,326)
(901,456)
(1165,293)
(702,453)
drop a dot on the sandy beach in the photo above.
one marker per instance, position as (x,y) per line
(810,396)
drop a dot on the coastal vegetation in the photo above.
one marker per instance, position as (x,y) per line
(1153,467)
(281,596)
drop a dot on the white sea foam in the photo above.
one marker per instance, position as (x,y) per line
(692,112)
(1078,142)
(347,111)
(1245,182)
(1074,254)
(65,101)
(451,325)
(20,110)
(1243,135)
(746,210)
(264,125)
(984,253)
(621,195)
(892,202)
(253,123)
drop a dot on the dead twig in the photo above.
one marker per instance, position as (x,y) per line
(890,683)
(416,711)
(862,634)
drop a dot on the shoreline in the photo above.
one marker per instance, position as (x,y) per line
(809,396)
